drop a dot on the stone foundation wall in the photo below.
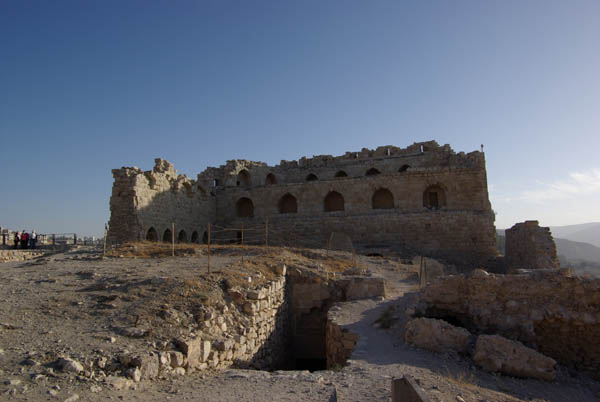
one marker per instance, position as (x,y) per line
(339,341)
(460,236)
(529,246)
(550,311)
(250,333)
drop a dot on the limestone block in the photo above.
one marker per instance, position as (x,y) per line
(148,364)
(176,359)
(497,354)
(437,335)
(249,308)
(195,350)
(258,294)
(224,344)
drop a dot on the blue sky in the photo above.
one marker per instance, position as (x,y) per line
(88,86)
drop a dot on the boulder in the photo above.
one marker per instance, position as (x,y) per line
(148,364)
(497,354)
(437,335)
(69,365)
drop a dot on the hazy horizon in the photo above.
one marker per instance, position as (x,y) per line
(90,87)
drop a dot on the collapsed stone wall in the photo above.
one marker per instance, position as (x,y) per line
(250,333)
(550,311)
(529,246)
(425,198)
(19,255)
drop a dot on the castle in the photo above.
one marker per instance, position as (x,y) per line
(425,199)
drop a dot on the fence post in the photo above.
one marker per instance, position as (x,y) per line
(53,239)
(208,231)
(173,239)
(267,233)
(242,239)
(74,239)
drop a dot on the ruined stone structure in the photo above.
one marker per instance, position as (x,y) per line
(547,310)
(529,246)
(424,198)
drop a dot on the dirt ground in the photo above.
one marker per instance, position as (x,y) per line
(76,304)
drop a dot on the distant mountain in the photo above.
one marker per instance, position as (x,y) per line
(575,251)
(585,232)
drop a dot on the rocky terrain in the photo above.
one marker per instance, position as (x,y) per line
(77,326)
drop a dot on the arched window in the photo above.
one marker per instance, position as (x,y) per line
(434,197)
(288,204)
(341,173)
(244,208)
(205,237)
(334,201)
(312,177)
(194,236)
(167,236)
(372,172)
(404,168)
(271,179)
(182,237)
(152,235)
(382,199)
(243,178)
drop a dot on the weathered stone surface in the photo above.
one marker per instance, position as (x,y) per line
(529,246)
(148,363)
(69,365)
(119,383)
(195,350)
(548,309)
(440,195)
(176,359)
(437,335)
(497,354)
(256,294)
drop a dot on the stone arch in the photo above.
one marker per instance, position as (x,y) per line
(182,237)
(334,201)
(382,199)
(243,178)
(195,236)
(288,204)
(341,173)
(434,197)
(271,179)
(167,236)
(244,208)
(151,235)
(312,177)
(372,172)
(404,168)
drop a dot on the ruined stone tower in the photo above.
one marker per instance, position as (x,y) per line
(424,198)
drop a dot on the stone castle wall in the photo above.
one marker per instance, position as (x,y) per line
(155,199)
(425,198)
(529,246)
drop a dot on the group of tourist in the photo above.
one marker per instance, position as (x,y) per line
(25,240)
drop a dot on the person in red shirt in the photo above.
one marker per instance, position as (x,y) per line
(24,240)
